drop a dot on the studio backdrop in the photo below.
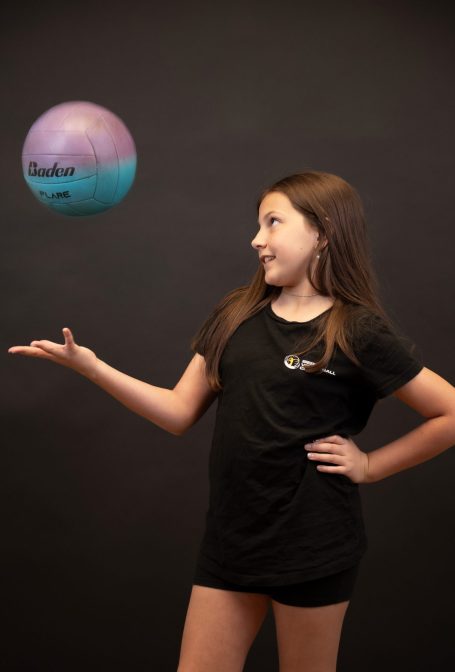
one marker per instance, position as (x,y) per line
(102,510)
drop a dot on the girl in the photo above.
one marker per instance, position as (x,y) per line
(297,358)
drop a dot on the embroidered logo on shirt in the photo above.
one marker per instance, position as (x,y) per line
(294,362)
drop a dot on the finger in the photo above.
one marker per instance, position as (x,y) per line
(330,470)
(47,346)
(322,447)
(335,438)
(20,349)
(27,350)
(69,339)
(325,457)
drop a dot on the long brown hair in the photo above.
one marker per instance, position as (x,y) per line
(344,272)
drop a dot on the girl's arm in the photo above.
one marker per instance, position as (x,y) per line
(156,404)
(173,410)
(434,398)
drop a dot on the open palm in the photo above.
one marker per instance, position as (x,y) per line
(69,354)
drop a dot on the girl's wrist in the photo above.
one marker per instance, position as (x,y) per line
(92,372)
(367,478)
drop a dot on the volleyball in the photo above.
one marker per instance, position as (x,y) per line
(79,158)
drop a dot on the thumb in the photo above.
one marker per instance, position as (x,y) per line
(69,340)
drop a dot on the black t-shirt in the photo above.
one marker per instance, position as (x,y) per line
(273,518)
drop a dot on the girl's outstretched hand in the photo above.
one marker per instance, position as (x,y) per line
(70,354)
(343,454)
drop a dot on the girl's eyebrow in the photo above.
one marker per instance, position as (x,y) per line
(269,213)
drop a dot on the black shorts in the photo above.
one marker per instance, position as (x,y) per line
(313,593)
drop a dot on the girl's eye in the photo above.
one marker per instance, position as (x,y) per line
(271,220)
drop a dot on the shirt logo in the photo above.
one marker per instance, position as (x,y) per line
(294,362)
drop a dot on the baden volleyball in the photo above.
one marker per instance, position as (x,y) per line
(79,158)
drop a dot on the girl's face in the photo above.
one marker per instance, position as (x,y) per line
(287,235)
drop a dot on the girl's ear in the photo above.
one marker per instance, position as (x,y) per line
(324,244)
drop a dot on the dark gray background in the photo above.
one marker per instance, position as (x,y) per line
(103,511)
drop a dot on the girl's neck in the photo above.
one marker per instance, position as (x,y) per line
(302,306)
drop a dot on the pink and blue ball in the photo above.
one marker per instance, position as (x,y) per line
(79,158)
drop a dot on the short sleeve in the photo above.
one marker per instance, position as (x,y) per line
(199,349)
(386,359)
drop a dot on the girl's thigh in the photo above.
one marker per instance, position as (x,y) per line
(220,627)
(308,638)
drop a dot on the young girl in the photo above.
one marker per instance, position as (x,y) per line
(297,359)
